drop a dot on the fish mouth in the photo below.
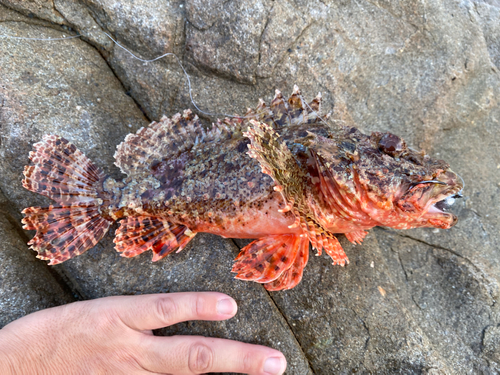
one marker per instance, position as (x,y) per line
(445,205)
(442,208)
(446,208)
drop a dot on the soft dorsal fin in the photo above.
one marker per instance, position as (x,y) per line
(167,139)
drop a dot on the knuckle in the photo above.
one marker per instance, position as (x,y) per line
(248,362)
(199,306)
(200,359)
(166,310)
(128,359)
(102,319)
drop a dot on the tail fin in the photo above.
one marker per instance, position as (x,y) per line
(66,175)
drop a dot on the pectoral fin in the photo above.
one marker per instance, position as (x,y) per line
(277,161)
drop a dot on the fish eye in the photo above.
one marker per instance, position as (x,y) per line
(391,144)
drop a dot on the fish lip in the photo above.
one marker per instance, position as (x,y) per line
(434,212)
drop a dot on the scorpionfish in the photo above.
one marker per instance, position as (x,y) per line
(283,174)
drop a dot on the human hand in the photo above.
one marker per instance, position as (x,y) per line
(113,335)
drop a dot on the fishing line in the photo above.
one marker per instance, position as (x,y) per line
(43,39)
(188,79)
(181,66)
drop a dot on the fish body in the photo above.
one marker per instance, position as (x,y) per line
(282,174)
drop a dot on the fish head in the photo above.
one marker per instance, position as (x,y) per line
(379,180)
(422,189)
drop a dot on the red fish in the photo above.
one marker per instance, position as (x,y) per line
(282,174)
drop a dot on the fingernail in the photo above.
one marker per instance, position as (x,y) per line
(226,306)
(273,366)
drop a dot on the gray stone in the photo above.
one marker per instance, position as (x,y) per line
(151,27)
(488,15)
(284,26)
(492,343)
(80,18)
(43,9)
(419,301)
(230,46)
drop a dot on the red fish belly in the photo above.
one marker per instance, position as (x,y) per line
(252,223)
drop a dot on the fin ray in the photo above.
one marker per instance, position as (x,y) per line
(293,275)
(357,236)
(69,178)
(334,249)
(63,173)
(276,160)
(139,234)
(71,231)
(288,112)
(167,139)
(266,259)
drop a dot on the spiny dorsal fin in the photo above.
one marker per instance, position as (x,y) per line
(288,112)
(167,139)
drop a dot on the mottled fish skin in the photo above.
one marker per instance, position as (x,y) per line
(283,174)
(211,187)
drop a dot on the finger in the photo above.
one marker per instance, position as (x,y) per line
(196,355)
(155,311)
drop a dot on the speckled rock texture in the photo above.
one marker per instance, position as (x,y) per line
(410,302)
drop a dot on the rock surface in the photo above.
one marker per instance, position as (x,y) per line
(419,301)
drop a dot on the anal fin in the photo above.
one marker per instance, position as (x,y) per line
(267,259)
(139,234)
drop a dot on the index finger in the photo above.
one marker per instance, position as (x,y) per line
(153,311)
